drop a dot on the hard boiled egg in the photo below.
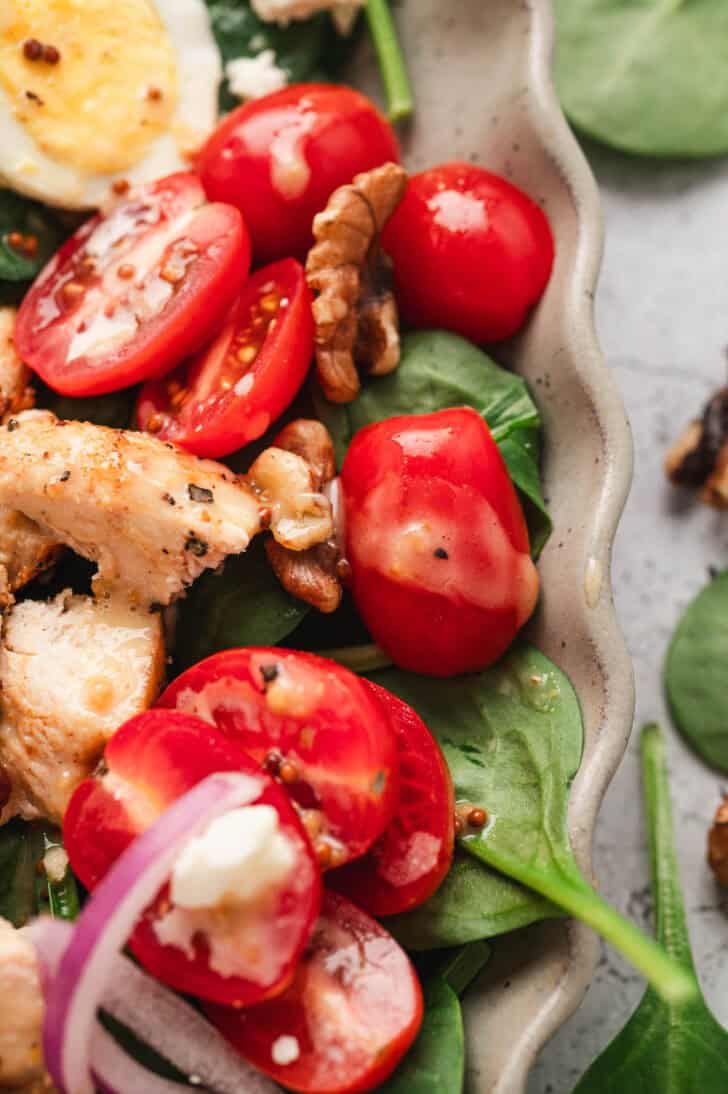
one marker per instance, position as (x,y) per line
(95,91)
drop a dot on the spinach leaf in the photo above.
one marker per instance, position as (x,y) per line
(300,47)
(695,673)
(666,1048)
(19,214)
(512,737)
(647,76)
(458,966)
(114,410)
(473,902)
(25,889)
(440,370)
(244,605)
(436,1062)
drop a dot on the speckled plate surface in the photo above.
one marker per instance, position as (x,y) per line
(481,70)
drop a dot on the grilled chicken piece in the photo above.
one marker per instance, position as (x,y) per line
(21,1054)
(72,670)
(16,394)
(152,516)
(25,551)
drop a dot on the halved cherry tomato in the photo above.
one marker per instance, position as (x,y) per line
(438,546)
(472,253)
(280,157)
(412,856)
(313,724)
(230,392)
(351,1013)
(151,761)
(134,291)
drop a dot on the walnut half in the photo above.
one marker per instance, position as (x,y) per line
(354,309)
(718,844)
(700,455)
(309,575)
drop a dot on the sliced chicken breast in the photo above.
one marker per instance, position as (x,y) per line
(21,1053)
(16,394)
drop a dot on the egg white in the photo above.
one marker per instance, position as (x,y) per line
(27,168)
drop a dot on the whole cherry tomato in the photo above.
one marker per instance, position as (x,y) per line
(314,725)
(280,157)
(412,856)
(151,761)
(438,546)
(472,253)
(351,1013)
(134,291)
(230,392)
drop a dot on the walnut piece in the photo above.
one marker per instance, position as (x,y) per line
(354,309)
(700,456)
(718,844)
(309,575)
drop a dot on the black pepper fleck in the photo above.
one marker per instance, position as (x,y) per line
(13,424)
(64,477)
(440,552)
(169,499)
(269,673)
(200,493)
(197,546)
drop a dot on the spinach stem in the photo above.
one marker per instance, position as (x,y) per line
(391,60)
(670,922)
(359,659)
(568,889)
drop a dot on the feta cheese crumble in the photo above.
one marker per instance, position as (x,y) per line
(285,1050)
(252,77)
(282,11)
(238,860)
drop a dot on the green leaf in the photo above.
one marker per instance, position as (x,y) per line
(19,214)
(665,1048)
(647,76)
(244,605)
(512,737)
(436,1062)
(695,673)
(114,410)
(25,889)
(458,966)
(440,370)
(300,47)
(473,902)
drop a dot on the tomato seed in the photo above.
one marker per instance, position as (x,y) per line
(71,293)
(247,354)
(171,274)
(323,853)
(126,271)
(288,773)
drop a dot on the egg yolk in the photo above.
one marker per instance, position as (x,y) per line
(107,93)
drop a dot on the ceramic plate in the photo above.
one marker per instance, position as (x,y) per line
(481,70)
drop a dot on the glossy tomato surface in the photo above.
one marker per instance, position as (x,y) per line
(441,570)
(315,725)
(412,856)
(237,958)
(135,290)
(233,389)
(280,157)
(472,253)
(351,1013)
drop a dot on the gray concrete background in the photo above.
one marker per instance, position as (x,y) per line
(662,315)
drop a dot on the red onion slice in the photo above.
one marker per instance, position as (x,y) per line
(109,918)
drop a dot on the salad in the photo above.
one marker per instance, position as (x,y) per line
(275,761)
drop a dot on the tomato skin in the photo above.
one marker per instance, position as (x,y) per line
(313,713)
(386,880)
(169,319)
(354,1007)
(152,760)
(280,157)
(214,421)
(472,253)
(441,570)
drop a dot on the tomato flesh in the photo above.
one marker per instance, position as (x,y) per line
(437,541)
(472,253)
(351,1013)
(231,391)
(410,859)
(315,725)
(152,760)
(279,158)
(133,291)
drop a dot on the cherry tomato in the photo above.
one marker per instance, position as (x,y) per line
(280,157)
(410,859)
(151,761)
(230,392)
(472,253)
(441,570)
(134,291)
(315,726)
(351,1013)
